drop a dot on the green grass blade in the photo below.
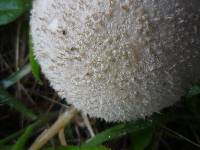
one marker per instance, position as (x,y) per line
(118,131)
(135,126)
(9,138)
(11,80)
(36,71)
(5,97)
(41,121)
(78,148)
(20,144)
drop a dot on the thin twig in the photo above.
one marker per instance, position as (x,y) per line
(49,99)
(181,136)
(26,93)
(5,64)
(88,125)
(62,121)
(52,104)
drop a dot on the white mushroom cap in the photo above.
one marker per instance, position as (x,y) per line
(118,59)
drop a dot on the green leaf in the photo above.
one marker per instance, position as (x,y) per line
(5,97)
(10,10)
(141,139)
(34,64)
(194,91)
(11,80)
(78,148)
(118,131)
(20,144)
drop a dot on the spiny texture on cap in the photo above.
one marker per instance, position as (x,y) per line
(118,59)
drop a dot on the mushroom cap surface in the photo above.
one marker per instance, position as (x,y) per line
(118,59)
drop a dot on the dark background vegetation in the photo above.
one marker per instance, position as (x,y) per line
(28,105)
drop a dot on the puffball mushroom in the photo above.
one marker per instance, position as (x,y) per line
(118,59)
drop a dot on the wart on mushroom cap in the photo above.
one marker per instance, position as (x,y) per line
(118,59)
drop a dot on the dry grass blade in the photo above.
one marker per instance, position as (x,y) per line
(62,121)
